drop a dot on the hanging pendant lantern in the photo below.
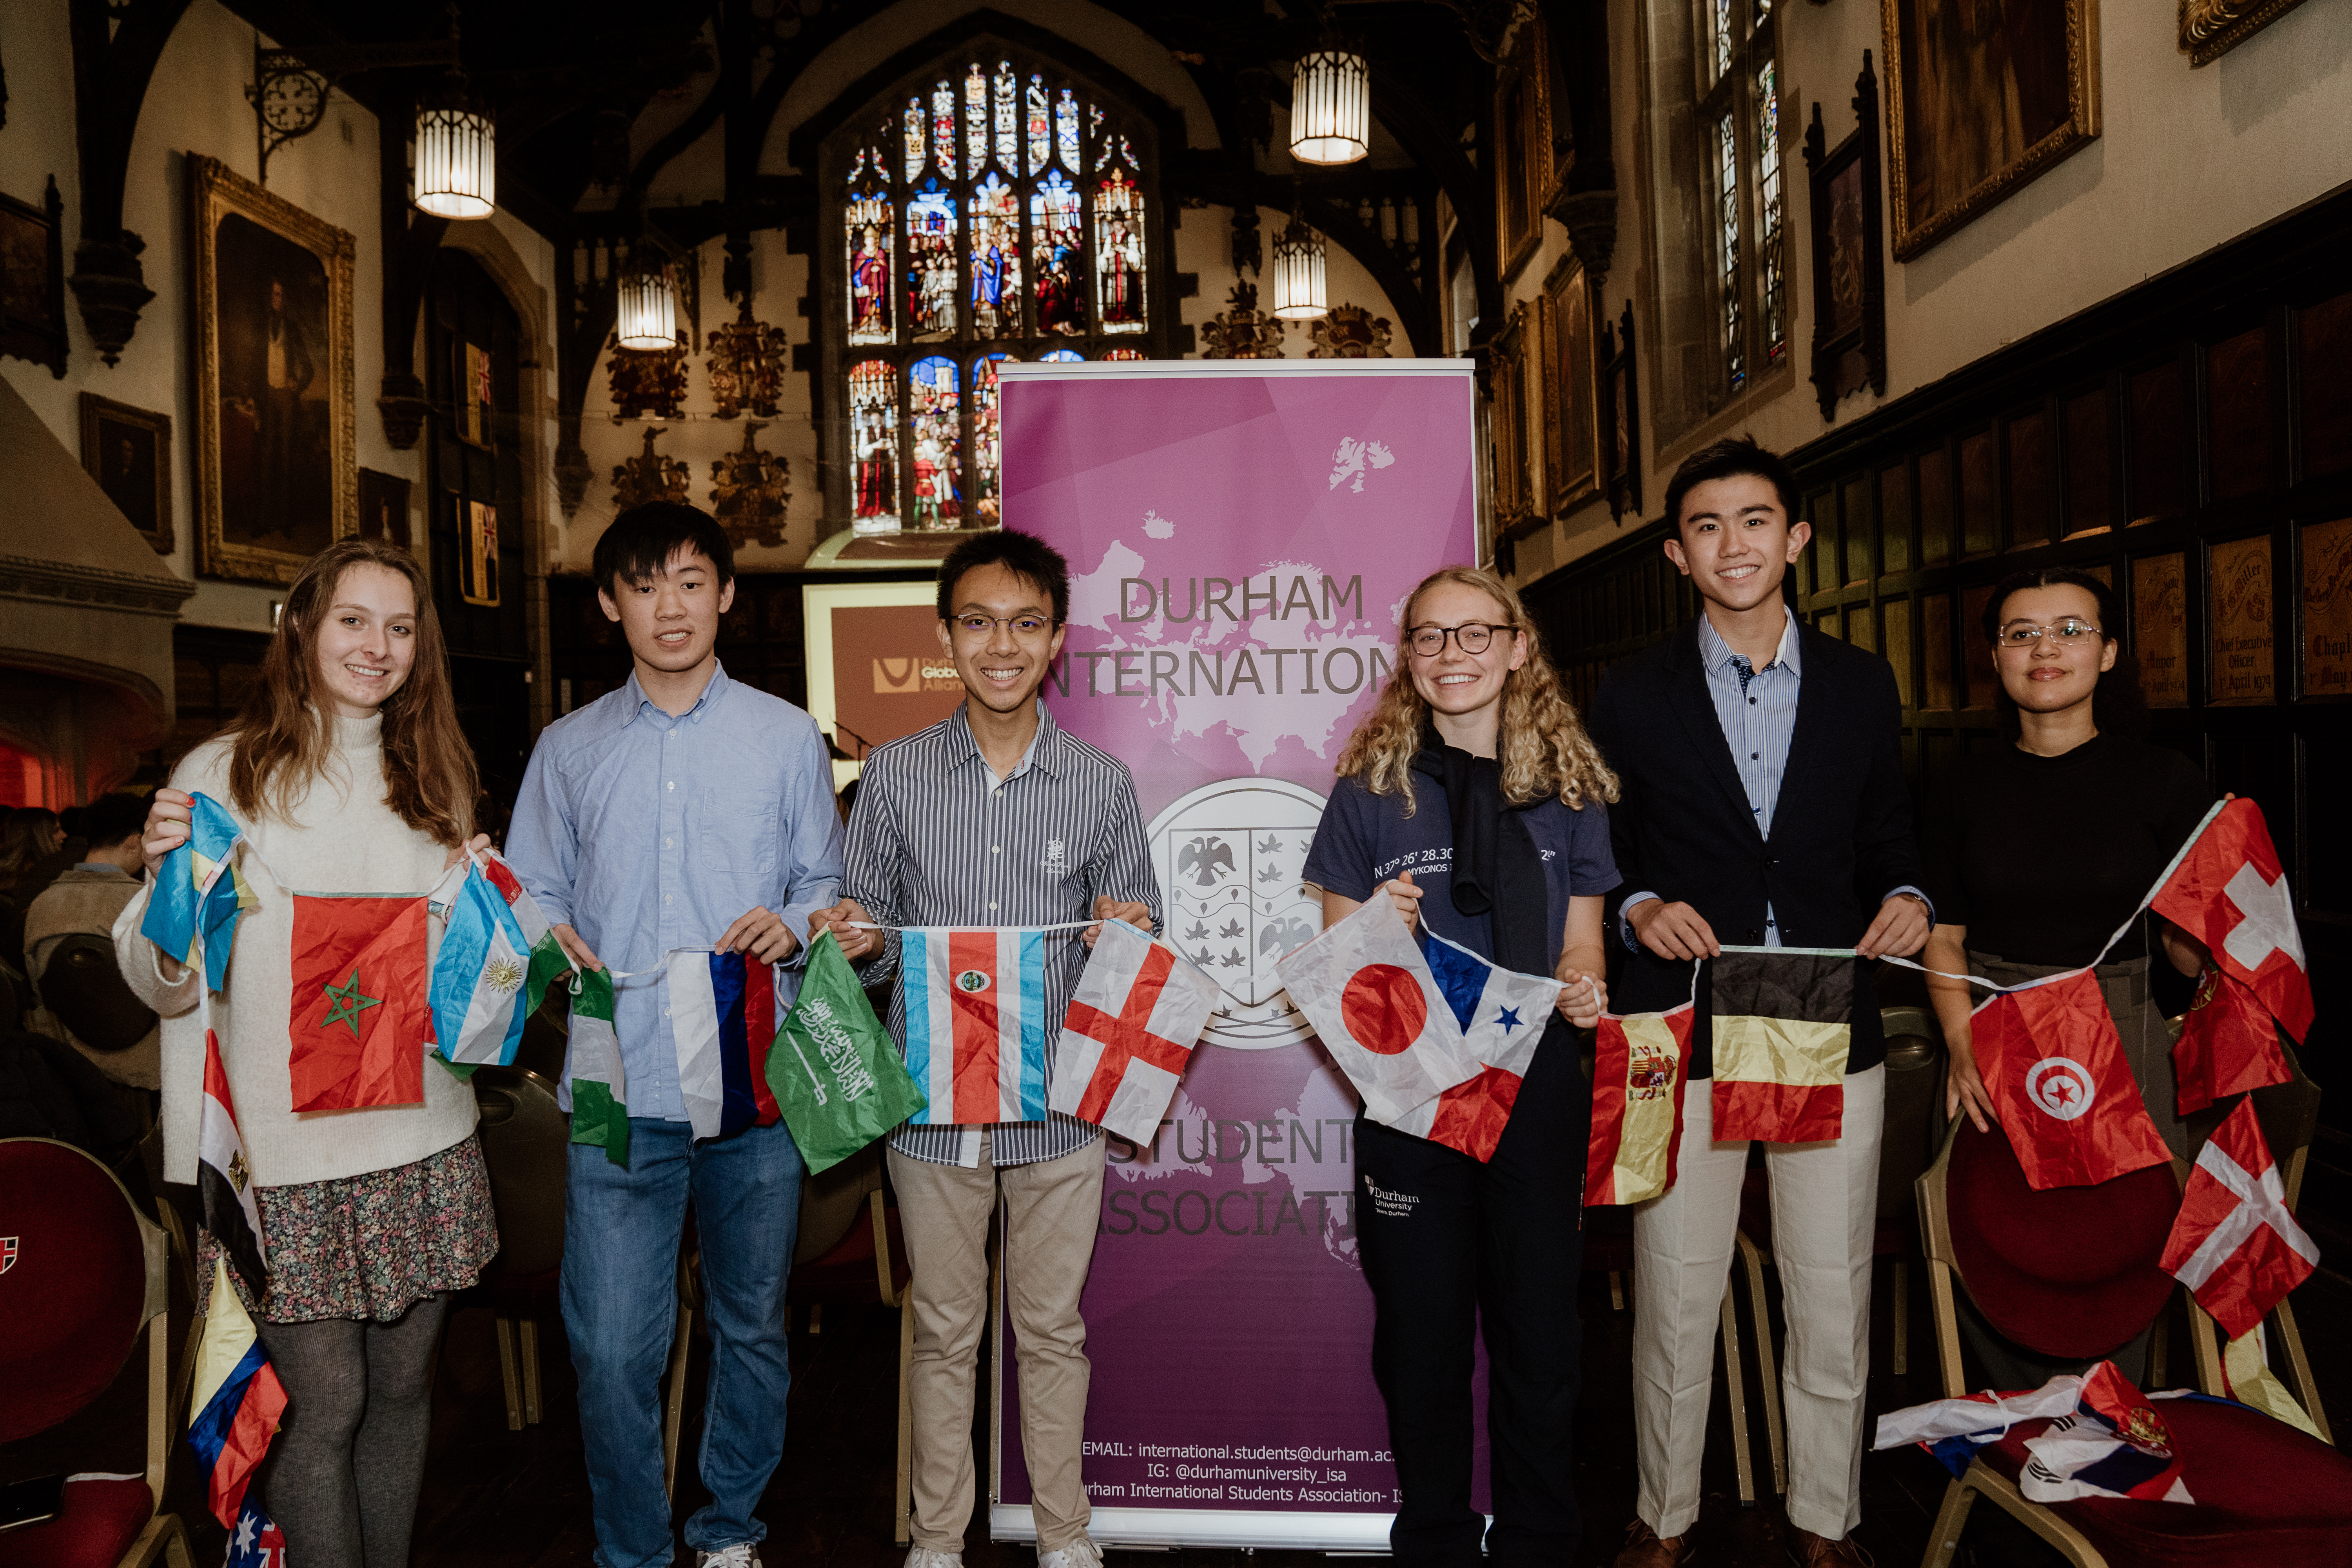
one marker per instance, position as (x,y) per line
(1298,294)
(648,317)
(457,164)
(1330,107)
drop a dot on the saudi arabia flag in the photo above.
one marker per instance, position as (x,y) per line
(497,957)
(600,1100)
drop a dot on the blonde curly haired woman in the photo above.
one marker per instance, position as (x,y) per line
(1472,780)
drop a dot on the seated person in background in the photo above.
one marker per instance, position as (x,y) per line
(84,901)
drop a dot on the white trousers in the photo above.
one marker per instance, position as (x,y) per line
(1824,1213)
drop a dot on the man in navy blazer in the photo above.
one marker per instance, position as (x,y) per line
(1763,805)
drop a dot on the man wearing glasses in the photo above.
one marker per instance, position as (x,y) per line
(994,816)
(1763,805)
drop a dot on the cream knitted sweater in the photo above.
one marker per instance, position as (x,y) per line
(344,840)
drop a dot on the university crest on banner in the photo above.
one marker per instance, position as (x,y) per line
(1230,856)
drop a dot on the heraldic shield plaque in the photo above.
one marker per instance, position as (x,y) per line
(1229,856)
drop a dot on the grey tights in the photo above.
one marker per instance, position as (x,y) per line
(342,1475)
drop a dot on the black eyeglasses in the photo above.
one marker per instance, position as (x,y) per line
(1471,636)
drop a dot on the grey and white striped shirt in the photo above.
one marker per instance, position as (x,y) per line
(937,839)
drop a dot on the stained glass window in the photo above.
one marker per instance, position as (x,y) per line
(874,446)
(994,210)
(1061,356)
(1726,174)
(1769,246)
(1747,185)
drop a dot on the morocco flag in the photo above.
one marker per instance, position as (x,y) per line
(1374,1003)
(2227,892)
(1639,1065)
(361,1022)
(2234,1245)
(976,1023)
(2052,1061)
(1131,1025)
(2228,1044)
(1783,1028)
(1503,1014)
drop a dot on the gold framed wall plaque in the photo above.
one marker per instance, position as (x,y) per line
(2159,593)
(2242,671)
(1523,146)
(1571,389)
(2327,608)
(277,470)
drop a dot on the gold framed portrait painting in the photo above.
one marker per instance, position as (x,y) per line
(1571,389)
(277,465)
(1523,147)
(1983,97)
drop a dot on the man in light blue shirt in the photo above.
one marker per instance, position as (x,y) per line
(682,811)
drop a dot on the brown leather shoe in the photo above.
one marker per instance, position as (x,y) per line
(1813,1550)
(1642,1549)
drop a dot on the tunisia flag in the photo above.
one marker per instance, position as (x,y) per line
(2234,1245)
(2051,1058)
(2227,892)
(360,1018)
(2228,1043)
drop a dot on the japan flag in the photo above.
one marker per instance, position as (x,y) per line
(2228,890)
(1368,991)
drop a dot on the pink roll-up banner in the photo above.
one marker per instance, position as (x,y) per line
(1242,536)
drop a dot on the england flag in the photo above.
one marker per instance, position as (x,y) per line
(1131,1029)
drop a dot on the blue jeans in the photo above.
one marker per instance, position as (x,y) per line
(620,1310)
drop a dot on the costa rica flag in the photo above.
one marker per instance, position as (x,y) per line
(976,1023)
(2228,891)
(722,1020)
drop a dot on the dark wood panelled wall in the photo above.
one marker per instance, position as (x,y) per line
(2191,442)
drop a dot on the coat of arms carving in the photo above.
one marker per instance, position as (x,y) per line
(650,476)
(1244,331)
(646,383)
(748,358)
(753,491)
(1350,332)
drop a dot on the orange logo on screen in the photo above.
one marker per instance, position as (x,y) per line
(912,676)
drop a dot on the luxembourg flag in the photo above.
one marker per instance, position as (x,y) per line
(223,1178)
(976,1023)
(1502,1013)
(723,1019)
(199,887)
(237,1399)
(497,955)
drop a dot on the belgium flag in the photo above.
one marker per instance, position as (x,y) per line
(1784,1025)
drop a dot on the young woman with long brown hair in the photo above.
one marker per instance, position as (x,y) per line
(1473,778)
(349,776)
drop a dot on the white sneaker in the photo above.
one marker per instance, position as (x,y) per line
(929,1557)
(742,1554)
(1079,1553)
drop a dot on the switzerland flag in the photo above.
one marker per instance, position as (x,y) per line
(2228,1043)
(2228,892)
(361,1017)
(2050,1056)
(2234,1245)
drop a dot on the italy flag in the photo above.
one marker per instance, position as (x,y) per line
(976,1023)
(497,957)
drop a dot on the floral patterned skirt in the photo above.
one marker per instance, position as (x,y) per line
(369,1246)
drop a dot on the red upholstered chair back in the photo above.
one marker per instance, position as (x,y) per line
(2070,1272)
(81,1271)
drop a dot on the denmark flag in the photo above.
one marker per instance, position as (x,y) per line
(2234,1245)
(2050,1055)
(1131,1029)
(2228,1044)
(2227,892)
(1368,991)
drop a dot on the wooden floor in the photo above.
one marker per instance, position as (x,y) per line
(501,1499)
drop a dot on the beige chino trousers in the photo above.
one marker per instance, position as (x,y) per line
(1052,1209)
(1824,1215)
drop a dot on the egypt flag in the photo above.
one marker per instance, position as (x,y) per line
(723,1021)
(199,890)
(2234,1244)
(2062,1091)
(1639,1063)
(236,1402)
(2229,1043)
(1783,1027)
(1131,1025)
(225,1178)
(497,957)
(360,1021)
(1502,1015)
(976,1023)
(600,1093)
(1375,1007)
(2227,892)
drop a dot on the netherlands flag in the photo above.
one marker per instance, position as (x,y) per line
(237,1400)
(723,1019)
(223,1178)
(976,1023)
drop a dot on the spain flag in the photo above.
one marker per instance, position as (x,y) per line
(1783,1025)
